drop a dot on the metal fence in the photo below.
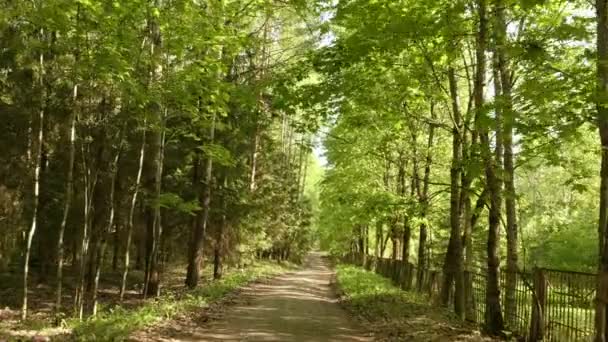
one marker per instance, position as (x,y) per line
(545,304)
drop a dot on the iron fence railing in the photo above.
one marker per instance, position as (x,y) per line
(545,304)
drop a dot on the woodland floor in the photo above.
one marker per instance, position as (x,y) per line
(304,306)
(41,319)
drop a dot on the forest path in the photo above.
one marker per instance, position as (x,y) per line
(298,306)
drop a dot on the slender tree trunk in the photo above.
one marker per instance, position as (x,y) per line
(366,240)
(453,270)
(196,256)
(97,210)
(384,244)
(37,166)
(254,158)
(125,269)
(107,230)
(406,241)
(90,180)
(262,107)
(423,195)
(218,266)
(305,171)
(153,175)
(220,234)
(379,238)
(467,241)
(394,240)
(601,302)
(116,245)
(506,103)
(494,318)
(153,216)
(407,229)
(68,201)
(468,148)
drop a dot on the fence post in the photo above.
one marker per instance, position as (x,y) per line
(539,296)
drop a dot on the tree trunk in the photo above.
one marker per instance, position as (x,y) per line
(90,180)
(153,176)
(379,250)
(395,244)
(601,309)
(125,270)
(153,214)
(453,271)
(423,195)
(195,259)
(69,187)
(116,245)
(506,103)
(254,158)
(218,266)
(37,166)
(494,319)
(407,229)
(104,234)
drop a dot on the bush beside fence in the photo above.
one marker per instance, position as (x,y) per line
(548,305)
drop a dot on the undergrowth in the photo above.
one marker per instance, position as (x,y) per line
(116,324)
(397,315)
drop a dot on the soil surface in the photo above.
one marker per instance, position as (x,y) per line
(299,306)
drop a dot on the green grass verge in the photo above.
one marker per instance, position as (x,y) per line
(374,297)
(397,315)
(117,324)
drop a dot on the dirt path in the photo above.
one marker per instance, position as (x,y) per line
(299,306)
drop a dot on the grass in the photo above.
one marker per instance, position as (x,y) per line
(118,323)
(397,315)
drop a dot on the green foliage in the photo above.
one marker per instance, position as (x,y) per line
(387,65)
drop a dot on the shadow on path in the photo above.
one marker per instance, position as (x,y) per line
(299,306)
